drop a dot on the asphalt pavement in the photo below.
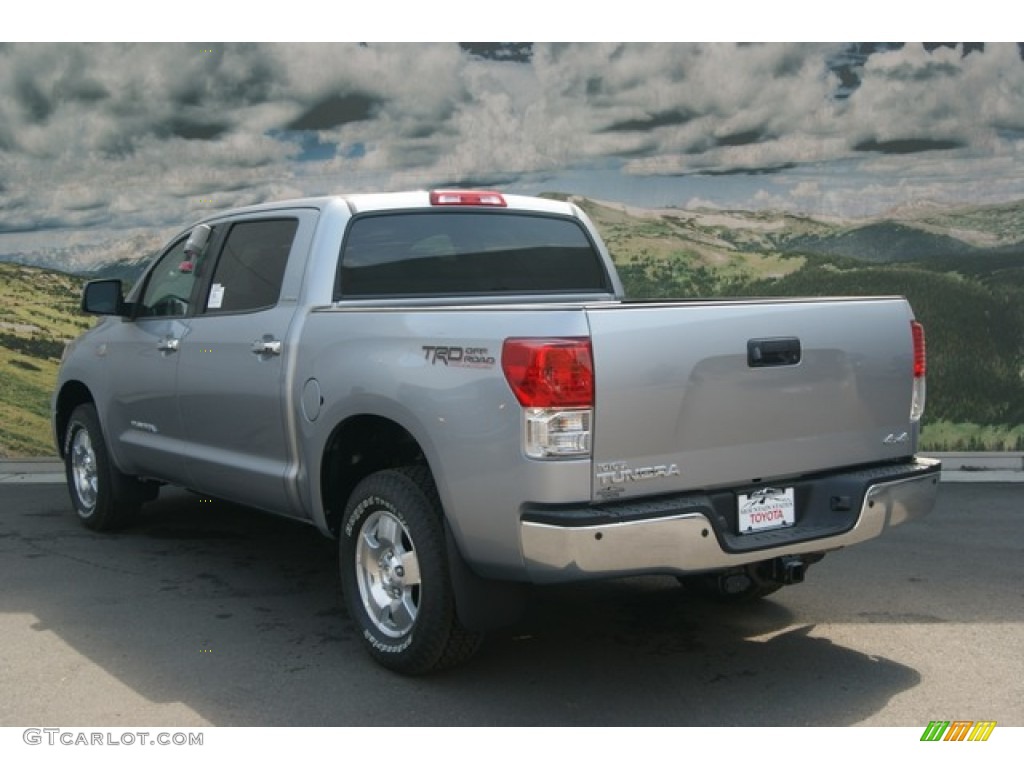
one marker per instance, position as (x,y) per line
(206,613)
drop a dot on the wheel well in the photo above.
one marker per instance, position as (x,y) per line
(72,395)
(358,447)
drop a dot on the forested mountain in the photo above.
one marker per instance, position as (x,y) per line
(963,272)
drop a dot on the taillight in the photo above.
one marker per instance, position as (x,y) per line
(553,379)
(920,356)
(547,373)
(918,392)
(467,197)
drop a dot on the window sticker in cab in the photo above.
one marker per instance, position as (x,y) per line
(216,296)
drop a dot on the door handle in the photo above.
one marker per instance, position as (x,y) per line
(168,344)
(266,346)
(769,353)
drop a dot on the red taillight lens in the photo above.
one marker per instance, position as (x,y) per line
(550,373)
(920,356)
(467,197)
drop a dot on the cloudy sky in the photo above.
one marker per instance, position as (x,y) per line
(131,138)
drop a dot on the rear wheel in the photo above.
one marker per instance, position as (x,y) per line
(394,574)
(104,499)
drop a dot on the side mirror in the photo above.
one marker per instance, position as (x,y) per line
(197,241)
(195,246)
(103,297)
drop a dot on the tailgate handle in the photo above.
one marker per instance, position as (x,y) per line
(769,353)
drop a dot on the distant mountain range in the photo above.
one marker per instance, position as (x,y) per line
(962,269)
(919,232)
(909,233)
(117,257)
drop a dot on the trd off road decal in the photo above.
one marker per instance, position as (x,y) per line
(459,357)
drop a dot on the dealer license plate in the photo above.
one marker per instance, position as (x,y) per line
(765,509)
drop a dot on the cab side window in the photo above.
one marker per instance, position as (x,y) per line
(170,285)
(251,266)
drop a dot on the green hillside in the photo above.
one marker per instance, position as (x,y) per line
(38,314)
(884,242)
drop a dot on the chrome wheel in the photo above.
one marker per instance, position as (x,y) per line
(104,499)
(394,573)
(84,472)
(388,574)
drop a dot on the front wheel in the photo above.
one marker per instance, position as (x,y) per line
(394,574)
(104,498)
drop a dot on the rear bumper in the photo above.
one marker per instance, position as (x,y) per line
(691,533)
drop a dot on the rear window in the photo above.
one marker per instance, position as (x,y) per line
(443,253)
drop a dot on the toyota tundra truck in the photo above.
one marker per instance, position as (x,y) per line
(452,385)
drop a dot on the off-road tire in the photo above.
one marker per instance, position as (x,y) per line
(103,498)
(394,574)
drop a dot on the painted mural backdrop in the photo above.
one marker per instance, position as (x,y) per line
(712,169)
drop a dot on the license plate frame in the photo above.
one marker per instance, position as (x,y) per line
(766,509)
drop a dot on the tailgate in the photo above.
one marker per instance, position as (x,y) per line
(712,394)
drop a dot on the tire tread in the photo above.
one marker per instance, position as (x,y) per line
(444,642)
(118,496)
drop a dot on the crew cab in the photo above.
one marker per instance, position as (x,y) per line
(453,385)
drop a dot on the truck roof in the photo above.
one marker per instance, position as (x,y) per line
(383,201)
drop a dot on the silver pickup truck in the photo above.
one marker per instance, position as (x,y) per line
(453,386)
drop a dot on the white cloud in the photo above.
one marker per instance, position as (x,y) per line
(123,136)
(940,94)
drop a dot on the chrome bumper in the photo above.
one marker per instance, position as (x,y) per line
(686,543)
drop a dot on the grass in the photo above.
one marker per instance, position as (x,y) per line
(948,436)
(38,315)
